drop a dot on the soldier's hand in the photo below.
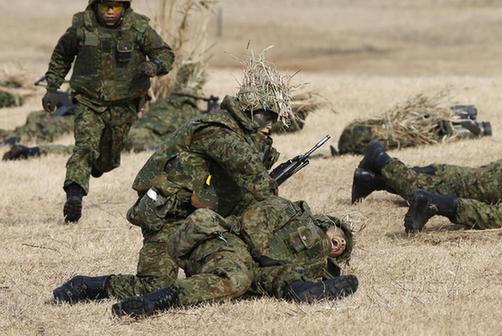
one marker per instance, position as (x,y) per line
(149,68)
(50,101)
(264,261)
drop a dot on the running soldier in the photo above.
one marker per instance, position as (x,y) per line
(116,52)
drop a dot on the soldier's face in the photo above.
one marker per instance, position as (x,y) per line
(110,12)
(338,241)
(264,119)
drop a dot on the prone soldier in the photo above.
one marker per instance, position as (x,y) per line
(466,196)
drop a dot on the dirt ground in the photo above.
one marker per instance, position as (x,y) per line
(364,56)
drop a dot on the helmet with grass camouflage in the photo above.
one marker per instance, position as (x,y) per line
(263,88)
(342,232)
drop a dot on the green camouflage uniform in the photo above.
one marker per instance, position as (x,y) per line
(164,116)
(358,134)
(148,132)
(107,84)
(218,157)
(8,99)
(40,127)
(479,189)
(218,262)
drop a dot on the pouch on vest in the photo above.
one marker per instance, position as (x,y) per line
(152,211)
(302,239)
(124,51)
(201,225)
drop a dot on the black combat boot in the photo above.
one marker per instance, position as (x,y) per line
(72,210)
(95,172)
(333,289)
(364,183)
(375,157)
(82,288)
(20,152)
(425,205)
(428,170)
(146,305)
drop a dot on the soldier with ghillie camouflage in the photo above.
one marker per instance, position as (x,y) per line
(276,248)
(466,196)
(115,52)
(421,120)
(218,161)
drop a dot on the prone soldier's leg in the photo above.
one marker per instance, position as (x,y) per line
(220,268)
(156,269)
(482,183)
(88,130)
(272,281)
(479,215)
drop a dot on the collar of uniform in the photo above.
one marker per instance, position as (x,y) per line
(232,107)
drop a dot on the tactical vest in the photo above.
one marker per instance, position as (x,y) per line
(284,230)
(176,169)
(107,64)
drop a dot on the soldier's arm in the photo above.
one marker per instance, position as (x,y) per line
(62,58)
(158,51)
(238,159)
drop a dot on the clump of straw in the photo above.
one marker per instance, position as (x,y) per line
(184,26)
(264,88)
(415,122)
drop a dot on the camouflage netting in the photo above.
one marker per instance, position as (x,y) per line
(264,88)
(9,99)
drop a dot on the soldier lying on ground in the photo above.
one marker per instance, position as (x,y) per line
(466,196)
(421,120)
(276,248)
(147,133)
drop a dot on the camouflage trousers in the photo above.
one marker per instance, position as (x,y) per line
(222,269)
(156,269)
(479,189)
(40,126)
(99,140)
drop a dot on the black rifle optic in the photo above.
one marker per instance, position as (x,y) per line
(287,169)
(213,102)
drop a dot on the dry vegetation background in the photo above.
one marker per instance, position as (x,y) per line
(365,55)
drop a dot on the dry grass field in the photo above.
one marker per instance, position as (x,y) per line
(364,55)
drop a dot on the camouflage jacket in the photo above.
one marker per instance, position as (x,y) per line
(167,114)
(285,230)
(217,156)
(107,61)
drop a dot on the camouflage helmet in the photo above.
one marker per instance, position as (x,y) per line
(190,79)
(326,222)
(264,88)
(92,2)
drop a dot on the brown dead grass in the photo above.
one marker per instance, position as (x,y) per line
(441,282)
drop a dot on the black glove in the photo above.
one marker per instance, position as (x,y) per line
(20,152)
(149,68)
(50,100)
(265,261)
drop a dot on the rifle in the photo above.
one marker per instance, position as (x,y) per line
(213,102)
(287,169)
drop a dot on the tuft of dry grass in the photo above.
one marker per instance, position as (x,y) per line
(183,24)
